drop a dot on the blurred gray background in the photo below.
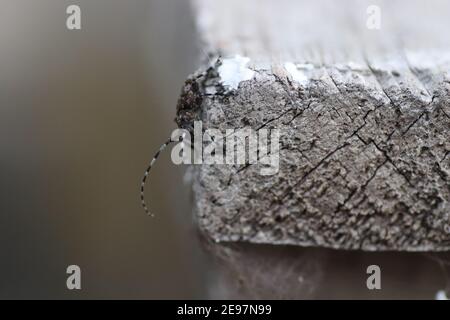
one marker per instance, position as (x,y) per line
(81,114)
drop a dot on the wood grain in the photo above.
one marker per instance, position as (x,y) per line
(364,160)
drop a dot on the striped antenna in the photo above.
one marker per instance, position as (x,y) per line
(144,178)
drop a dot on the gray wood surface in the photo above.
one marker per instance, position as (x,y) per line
(364,116)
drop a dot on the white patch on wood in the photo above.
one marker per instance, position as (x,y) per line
(355,66)
(296,72)
(233,71)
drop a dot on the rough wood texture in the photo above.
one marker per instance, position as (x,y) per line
(364,116)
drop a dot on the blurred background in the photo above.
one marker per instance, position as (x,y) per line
(81,114)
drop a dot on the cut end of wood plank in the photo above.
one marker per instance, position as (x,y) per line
(364,158)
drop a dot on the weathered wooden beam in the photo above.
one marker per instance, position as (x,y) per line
(364,116)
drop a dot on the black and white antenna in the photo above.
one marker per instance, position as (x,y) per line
(147,172)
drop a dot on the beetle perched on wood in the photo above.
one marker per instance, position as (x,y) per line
(188,111)
(365,121)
